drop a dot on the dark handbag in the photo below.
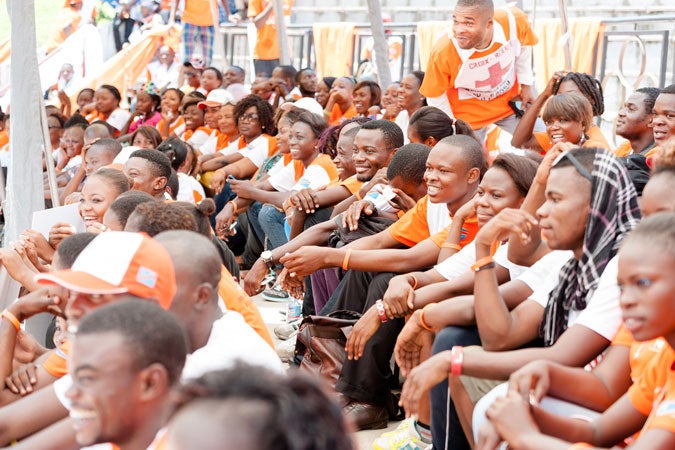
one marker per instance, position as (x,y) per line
(321,343)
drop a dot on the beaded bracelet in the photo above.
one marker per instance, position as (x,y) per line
(380,311)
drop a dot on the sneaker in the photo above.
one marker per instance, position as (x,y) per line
(404,437)
(286,350)
(275,294)
(286,330)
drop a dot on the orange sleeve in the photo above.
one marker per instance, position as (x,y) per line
(469,231)
(664,416)
(436,77)
(623,149)
(526,35)
(652,378)
(413,226)
(623,337)
(352,184)
(543,140)
(56,364)
(653,151)
(235,299)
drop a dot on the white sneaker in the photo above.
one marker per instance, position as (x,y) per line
(404,437)
(286,350)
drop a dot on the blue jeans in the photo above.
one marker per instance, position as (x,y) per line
(272,223)
(446,430)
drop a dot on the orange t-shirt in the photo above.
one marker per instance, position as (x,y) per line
(624,149)
(469,231)
(56,364)
(172,126)
(352,184)
(445,63)
(595,139)
(235,299)
(4,138)
(198,12)
(653,394)
(267,45)
(414,226)
(337,116)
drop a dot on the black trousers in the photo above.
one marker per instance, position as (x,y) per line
(368,379)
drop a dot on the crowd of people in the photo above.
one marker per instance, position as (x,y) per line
(524,295)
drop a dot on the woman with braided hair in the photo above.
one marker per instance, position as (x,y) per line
(524,135)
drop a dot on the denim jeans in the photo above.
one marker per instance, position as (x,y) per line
(272,223)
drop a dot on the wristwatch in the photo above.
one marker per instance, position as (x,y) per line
(266,256)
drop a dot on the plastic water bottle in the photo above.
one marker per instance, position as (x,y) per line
(293,309)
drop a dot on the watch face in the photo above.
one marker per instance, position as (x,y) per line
(266,255)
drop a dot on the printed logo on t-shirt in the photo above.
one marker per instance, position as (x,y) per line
(666,409)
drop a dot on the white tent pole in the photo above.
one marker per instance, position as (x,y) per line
(24,181)
(379,42)
(566,39)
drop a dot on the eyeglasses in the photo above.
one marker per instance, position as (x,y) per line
(575,162)
(248,118)
(191,74)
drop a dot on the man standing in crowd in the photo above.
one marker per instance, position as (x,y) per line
(484,65)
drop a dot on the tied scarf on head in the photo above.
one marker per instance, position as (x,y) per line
(613,212)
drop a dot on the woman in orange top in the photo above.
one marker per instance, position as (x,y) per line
(561,83)
(172,123)
(568,118)
(106,107)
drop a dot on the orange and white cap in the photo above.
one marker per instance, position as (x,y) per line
(217,97)
(118,262)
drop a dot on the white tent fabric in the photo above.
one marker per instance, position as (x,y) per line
(24,182)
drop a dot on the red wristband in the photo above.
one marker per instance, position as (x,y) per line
(456,360)
(380,310)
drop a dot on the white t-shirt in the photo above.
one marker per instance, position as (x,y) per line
(189,189)
(231,340)
(257,150)
(461,262)
(402,120)
(602,313)
(438,217)
(118,118)
(314,177)
(209,146)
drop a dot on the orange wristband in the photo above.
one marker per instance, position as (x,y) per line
(451,245)
(422,322)
(345,262)
(234,205)
(358,195)
(414,281)
(12,318)
(580,445)
(482,262)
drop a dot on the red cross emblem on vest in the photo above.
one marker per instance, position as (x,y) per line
(496,76)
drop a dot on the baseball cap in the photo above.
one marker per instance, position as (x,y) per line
(217,97)
(309,104)
(196,61)
(118,262)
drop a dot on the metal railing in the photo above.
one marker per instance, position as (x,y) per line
(652,36)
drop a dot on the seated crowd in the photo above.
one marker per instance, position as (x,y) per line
(513,293)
